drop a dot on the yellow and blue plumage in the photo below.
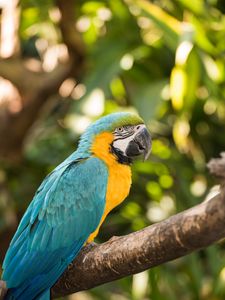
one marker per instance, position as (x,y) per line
(71,204)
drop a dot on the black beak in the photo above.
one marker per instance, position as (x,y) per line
(141,144)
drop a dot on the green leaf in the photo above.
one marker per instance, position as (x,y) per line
(170,26)
(147,97)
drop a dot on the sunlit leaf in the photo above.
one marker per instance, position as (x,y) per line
(201,37)
(170,26)
(196,6)
(181,131)
(178,87)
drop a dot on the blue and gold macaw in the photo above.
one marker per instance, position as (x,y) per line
(71,204)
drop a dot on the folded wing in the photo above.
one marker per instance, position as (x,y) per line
(66,209)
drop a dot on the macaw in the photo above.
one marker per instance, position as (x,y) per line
(71,204)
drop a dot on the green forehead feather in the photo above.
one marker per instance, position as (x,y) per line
(126,119)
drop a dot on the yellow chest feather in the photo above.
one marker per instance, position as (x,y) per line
(119,183)
(119,177)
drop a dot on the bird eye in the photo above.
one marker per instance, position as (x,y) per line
(120,129)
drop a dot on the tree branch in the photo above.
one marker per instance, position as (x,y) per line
(71,37)
(175,237)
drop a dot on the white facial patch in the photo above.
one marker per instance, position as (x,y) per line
(121,142)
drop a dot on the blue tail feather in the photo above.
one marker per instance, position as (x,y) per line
(42,296)
(38,288)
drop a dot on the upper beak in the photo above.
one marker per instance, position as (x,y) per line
(141,144)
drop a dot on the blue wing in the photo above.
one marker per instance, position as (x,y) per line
(66,209)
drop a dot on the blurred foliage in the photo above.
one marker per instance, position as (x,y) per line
(164,59)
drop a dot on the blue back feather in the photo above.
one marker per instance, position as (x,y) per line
(66,209)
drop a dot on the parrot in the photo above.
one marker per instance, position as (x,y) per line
(71,203)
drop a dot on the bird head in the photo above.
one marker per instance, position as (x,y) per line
(120,135)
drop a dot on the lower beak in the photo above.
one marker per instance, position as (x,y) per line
(141,144)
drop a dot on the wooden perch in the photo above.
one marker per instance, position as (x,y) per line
(179,235)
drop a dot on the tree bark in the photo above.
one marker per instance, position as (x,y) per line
(175,237)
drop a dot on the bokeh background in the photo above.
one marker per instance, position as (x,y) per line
(65,63)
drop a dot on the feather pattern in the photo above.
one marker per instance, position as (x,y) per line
(63,213)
